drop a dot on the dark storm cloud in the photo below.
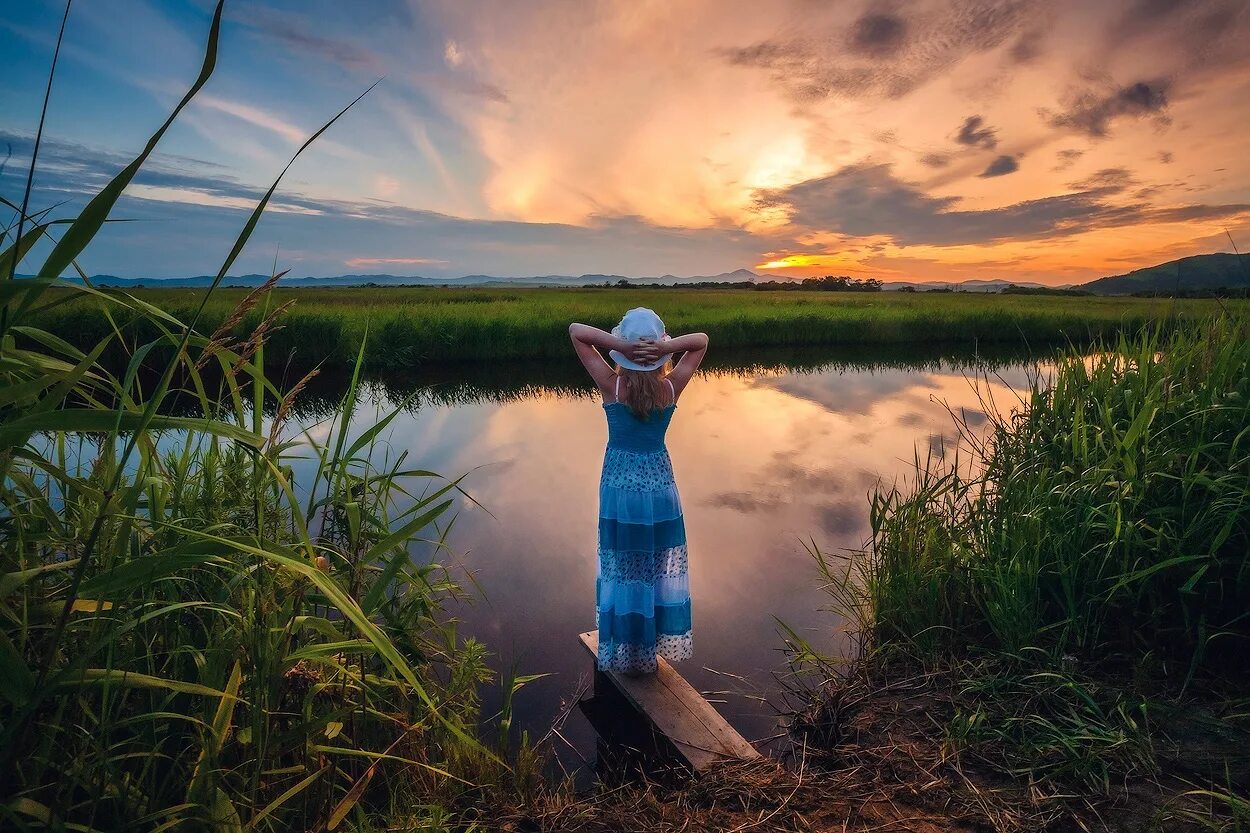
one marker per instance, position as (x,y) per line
(744,502)
(1067,158)
(975,133)
(1001,166)
(886,54)
(843,518)
(878,35)
(940,445)
(1028,46)
(867,200)
(1092,112)
(1191,24)
(1118,178)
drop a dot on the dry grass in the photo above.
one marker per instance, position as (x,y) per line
(872,754)
(762,795)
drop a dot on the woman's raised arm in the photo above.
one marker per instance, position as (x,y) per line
(694,345)
(586,338)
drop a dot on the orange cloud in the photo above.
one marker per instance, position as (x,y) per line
(687,116)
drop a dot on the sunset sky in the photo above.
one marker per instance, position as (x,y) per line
(1054,141)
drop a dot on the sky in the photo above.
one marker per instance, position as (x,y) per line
(1054,141)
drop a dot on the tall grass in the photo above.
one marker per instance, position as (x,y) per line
(412,326)
(1109,517)
(192,638)
(1076,588)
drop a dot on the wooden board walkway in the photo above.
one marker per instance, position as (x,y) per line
(696,730)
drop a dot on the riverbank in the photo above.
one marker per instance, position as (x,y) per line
(872,754)
(1049,634)
(408,327)
(1065,608)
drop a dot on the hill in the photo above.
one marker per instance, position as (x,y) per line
(970,285)
(1211,271)
(419,280)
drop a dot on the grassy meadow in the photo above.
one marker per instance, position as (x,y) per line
(410,326)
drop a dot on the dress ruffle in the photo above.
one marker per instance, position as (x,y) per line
(642,589)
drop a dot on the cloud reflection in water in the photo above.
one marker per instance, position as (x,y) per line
(765,460)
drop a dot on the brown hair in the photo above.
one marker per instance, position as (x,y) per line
(644,390)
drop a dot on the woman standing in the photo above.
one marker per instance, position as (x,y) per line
(642,592)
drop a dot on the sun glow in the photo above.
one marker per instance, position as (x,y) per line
(813,261)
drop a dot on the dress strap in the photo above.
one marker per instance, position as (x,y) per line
(671,389)
(617,394)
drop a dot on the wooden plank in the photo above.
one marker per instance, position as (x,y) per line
(700,734)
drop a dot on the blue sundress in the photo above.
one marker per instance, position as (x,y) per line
(642,592)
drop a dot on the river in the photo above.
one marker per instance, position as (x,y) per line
(772,453)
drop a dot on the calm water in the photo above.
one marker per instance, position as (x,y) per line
(767,457)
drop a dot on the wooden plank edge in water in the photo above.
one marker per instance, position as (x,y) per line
(696,729)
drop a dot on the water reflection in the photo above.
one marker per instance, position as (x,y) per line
(767,455)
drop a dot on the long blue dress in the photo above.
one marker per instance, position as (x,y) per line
(642,591)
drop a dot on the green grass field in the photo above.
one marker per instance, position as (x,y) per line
(410,326)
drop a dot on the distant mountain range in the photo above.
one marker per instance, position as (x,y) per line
(737,276)
(973,285)
(418,280)
(1209,271)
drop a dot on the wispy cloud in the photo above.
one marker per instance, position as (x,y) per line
(193,196)
(361,262)
(267,120)
(256,116)
(294,32)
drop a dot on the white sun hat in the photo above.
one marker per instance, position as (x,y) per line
(639,323)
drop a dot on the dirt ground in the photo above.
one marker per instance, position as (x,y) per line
(871,758)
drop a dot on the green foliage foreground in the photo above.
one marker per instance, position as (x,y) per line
(1108,517)
(1081,586)
(191,637)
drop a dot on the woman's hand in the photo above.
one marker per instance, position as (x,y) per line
(643,351)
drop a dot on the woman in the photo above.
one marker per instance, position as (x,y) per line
(642,594)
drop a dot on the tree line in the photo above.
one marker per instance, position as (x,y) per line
(829,283)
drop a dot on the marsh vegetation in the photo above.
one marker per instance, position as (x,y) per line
(192,638)
(410,327)
(1069,600)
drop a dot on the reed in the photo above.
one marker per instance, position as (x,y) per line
(1107,517)
(1071,592)
(194,637)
